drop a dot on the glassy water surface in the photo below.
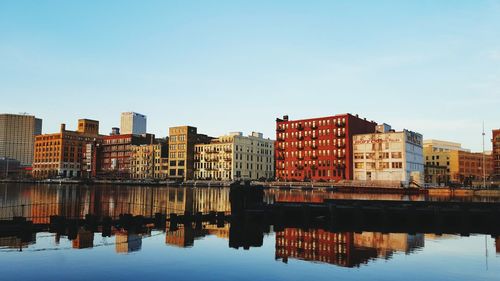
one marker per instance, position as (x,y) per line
(212,252)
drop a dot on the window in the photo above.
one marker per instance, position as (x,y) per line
(359,165)
(396,155)
(397,165)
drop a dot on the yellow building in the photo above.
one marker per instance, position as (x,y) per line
(235,157)
(462,165)
(149,161)
(61,154)
(181,151)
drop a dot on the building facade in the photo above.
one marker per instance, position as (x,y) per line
(149,161)
(182,140)
(133,123)
(389,156)
(318,149)
(496,153)
(235,157)
(61,154)
(17,137)
(115,153)
(462,166)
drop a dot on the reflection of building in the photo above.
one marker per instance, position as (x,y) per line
(496,153)
(318,148)
(497,244)
(235,157)
(462,166)
(84,239)
(344,249)
(319,245)
(14,242)
(61,154)
(17,137)
(388,156)
(133,123)
(386,243)
(127,242)
(181,151)
(184,236)
(149,161)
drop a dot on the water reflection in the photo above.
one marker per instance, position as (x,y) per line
(39,202)
(345,249)
(318,245)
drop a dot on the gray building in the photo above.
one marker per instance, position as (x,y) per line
(133,123)
(17,136)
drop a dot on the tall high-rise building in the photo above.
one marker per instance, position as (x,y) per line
(133,123)
(17,136)
(317,149)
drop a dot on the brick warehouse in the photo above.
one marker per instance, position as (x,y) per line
(317,149)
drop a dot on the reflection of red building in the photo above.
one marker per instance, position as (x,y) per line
(84,239)
(322,246)
(317,149)
(345,248)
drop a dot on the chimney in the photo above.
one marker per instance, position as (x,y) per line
(115,131)
(285,117)
(63,127)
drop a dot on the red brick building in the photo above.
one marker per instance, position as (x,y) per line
(317,149)
(114,154)
(496,153)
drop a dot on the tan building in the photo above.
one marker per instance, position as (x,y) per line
(17,137)
(235,157)
(149,161)
(61,154)
(182,140)
(462,166)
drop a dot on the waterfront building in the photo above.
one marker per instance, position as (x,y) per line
(462,165)
(61,154)
(317,149)
(389,156)
(496,153)
(9,167)
(17,136)
(235,157)
(181,142)
(435,174)
(115,153)
(133,123)
(149,161)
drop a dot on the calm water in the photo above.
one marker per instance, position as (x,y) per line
(220,253)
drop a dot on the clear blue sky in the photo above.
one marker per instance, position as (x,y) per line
(429,66)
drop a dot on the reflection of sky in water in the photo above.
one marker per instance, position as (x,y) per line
(445,258)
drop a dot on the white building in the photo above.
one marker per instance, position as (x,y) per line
(389,156)
(133,123)
(235,157)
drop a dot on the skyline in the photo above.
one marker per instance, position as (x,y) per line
(428,67)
